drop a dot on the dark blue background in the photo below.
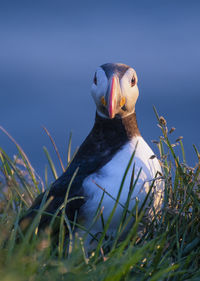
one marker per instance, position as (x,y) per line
(49,51)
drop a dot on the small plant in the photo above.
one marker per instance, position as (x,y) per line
(165,248)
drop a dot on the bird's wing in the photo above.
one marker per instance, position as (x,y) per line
(104,140)
(91,156)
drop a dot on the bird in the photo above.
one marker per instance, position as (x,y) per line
(102,159)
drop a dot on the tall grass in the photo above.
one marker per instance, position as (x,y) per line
(167,248)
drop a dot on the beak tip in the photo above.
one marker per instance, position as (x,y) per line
(111,116)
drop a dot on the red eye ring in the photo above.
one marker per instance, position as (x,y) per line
(95,79)
(133,81)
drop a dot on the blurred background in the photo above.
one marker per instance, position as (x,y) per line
(49,51)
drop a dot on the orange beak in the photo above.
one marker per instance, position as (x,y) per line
(112,102)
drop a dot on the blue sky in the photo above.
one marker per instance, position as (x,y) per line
(50,49)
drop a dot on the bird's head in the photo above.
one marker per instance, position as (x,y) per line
(115,90)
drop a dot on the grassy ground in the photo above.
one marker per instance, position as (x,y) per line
(166,249)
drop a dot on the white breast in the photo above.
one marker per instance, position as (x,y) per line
(110,176)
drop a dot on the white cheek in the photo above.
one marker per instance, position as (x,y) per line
(134,92)
(100,89)
(125,84)
(125,87)
(131,94)
(127,90)
(93,90)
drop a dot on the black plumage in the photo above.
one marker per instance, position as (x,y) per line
(106,138)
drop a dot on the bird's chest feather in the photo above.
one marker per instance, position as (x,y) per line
(110,177)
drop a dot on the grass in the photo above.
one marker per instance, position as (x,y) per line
(166,249)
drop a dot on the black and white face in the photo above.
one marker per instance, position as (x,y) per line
(115,90)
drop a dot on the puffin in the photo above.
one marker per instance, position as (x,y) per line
(101,162)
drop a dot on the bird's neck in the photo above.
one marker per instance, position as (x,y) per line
(125,128)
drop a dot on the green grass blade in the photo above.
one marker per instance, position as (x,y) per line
(51,164)
(55,147)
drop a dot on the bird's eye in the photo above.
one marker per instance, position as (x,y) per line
(95,79)
(133,81)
